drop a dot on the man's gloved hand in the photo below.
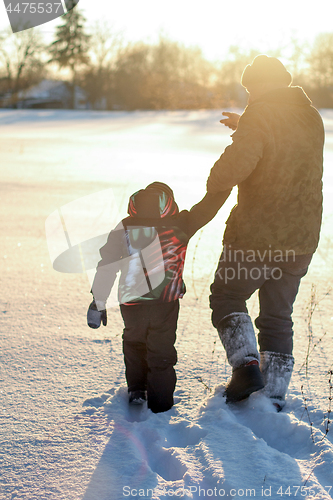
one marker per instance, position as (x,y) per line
(96,314)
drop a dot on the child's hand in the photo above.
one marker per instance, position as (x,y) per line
(231,121)
(95,316)
(104,317)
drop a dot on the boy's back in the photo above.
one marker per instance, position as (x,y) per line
(149,247)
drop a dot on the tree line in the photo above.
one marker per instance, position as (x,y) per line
(162,75)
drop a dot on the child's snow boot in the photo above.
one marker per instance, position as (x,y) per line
(276,369)
(137,397)
(238,338)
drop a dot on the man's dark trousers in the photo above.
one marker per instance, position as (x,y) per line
(238,276)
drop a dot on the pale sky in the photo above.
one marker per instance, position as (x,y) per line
(213,25)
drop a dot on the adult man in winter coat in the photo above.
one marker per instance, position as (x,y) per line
(276,159)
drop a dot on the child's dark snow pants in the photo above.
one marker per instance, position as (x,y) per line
(149,352)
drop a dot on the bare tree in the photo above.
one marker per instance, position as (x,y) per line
(180,75)
(320,72)
(98,79)
(228,84)
(132,76)
(321,60)
(298,63)
(166,75)
(105,43)
(20,59)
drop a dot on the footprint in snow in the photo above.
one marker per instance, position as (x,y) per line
(164,447)
(183,434)
(162,439)
(136,413)
(281,431)
(166,463)
(92,404)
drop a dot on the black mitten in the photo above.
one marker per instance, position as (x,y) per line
(95,317)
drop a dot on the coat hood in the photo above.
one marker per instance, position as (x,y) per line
(287,95)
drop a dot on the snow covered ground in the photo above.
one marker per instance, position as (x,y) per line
(67,432)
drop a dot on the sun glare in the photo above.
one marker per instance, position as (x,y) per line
(214,26)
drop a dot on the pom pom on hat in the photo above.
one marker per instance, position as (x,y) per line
(265,69)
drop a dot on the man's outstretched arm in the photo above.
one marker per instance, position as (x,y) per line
(242,156)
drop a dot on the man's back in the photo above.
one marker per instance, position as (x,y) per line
(279,174)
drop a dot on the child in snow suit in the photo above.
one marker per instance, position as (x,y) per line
(149,247)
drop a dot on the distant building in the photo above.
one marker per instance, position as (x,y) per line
(53,94)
